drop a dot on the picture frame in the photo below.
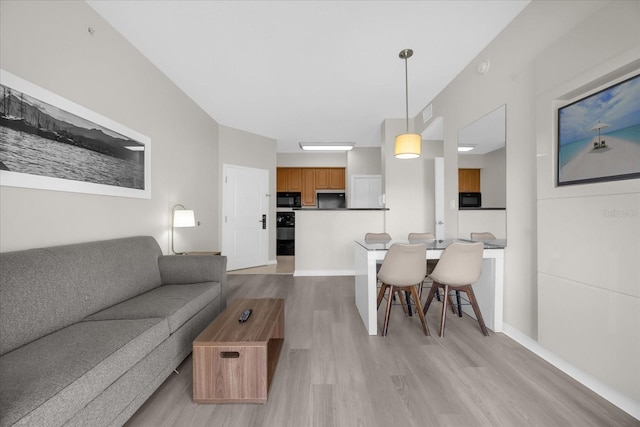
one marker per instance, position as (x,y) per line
(48,142)
(599,135)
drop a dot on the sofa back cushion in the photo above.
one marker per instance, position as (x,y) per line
(44,290)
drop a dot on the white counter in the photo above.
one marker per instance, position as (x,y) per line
(324,239)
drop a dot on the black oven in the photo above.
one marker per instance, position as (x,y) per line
(469,200)
(289,200)
(285,233)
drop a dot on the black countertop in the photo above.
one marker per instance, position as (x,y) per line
(340,209)
(482,209)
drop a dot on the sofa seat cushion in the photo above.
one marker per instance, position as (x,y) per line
(178,303)
(48,380)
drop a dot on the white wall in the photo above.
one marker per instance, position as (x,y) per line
(589,235)
(510,81)
(493,179)
(409,185)
(299,160)
(575,294)
(364,161)
(47,43)
(240,148)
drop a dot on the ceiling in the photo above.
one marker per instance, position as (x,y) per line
(309,71)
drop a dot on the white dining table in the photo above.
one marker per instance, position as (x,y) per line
(488,289)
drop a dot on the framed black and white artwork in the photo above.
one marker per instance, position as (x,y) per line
(48,142)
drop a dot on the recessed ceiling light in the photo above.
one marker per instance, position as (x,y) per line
(327,146)
(464,148)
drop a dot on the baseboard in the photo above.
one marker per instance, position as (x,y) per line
(324,273)
(622,401)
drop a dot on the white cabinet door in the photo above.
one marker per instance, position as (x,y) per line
(366,191)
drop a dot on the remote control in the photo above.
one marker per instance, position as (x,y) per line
(245,315)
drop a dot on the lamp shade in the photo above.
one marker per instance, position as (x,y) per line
(408,146)
(184,218)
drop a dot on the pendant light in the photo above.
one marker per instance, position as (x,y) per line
(407,144)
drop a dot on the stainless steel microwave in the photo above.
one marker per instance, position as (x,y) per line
(469,200)
(289,200)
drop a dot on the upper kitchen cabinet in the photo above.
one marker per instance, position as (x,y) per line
(469,180)
(289,179)
(330,178)
(308,187)
(308,180)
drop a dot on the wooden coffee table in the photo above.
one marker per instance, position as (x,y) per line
(234,361)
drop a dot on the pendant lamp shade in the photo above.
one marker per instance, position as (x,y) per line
(408,145)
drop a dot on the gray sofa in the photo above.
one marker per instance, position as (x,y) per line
(89,331)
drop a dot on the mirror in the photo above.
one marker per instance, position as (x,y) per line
(482,168)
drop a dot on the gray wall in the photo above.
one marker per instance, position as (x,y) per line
(47,43)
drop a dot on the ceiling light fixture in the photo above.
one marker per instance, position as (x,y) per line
(463,148)
(407,145)
(327,146)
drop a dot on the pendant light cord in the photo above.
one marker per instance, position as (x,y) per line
(406,93)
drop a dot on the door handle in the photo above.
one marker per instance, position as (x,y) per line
(264,221)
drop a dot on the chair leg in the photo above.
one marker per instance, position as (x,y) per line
(434,289)
(425,328)
(443,317)
(407,296)
(459,304)
(387,312)
(383,289)
(476,308)
(451,304)
(401,301)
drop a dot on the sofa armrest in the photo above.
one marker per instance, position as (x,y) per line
(185,269)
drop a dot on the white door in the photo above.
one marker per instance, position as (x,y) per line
(366,191)
(439,197)
(245,233)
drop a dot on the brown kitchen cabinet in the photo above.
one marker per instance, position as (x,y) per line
(322,178)
(289,179)
(330,179)
(469,180)
(308,180)
(336,179)
(308,187)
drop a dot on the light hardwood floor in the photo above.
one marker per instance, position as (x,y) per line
(331,373)
(284,265)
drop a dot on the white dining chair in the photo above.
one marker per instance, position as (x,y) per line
(460,265)
(403,269)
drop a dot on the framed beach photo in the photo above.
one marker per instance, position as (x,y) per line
(48,142)
(599,136)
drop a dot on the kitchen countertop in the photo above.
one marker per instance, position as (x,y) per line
(482,209)
(340,209)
